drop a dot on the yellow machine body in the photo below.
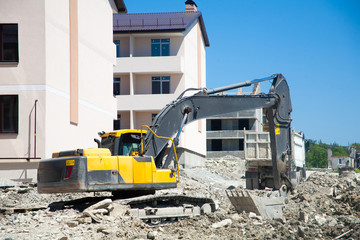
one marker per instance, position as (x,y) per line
(98,169)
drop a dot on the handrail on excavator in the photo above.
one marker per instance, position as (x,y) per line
(173,144)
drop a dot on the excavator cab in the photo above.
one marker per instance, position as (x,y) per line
(122,142)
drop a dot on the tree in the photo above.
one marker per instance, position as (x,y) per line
(316,157)
(339,151)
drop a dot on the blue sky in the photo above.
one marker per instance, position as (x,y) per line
(315,44)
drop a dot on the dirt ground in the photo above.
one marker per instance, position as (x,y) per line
(325,206)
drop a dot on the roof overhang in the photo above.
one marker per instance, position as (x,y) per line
(120,6)
(158,22)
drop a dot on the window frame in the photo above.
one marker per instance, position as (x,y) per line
(3,49)
(118,83)
(162,80)
(161,42)
(117,122)
(13,118)
(117,44)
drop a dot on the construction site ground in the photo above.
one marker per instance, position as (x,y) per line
(325,206)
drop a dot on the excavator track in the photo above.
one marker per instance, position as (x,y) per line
(162,209)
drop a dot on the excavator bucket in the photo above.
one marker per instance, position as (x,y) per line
(269,206)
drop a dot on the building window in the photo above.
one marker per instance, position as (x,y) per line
(216,125)
(117,43)
(9,114)
(9,49)
(117,122)
(161,85)
(243,123)
(116,86)
(160,47)
(216,145)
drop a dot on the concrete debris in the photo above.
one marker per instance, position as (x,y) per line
(221,224)
(152,235)
(325,206)
(99,209)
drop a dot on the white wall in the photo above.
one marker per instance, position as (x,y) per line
(194,137)
(97,106)
(43,73)
(25,78)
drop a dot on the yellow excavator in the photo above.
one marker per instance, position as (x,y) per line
(114,166)
(137,161)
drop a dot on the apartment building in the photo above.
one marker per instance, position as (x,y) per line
(56,61)
(228,134)
(159,55)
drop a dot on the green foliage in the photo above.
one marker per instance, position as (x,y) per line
(316,152)
(316,156)
(339,151)
(357,170)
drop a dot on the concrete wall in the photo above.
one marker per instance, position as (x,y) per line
(25,78)
(124,46)
(124,83)
(43,74)
(97,107)
(194,137)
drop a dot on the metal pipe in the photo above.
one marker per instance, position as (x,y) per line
(238,85)
(181,127)
(35,130)
(19,158)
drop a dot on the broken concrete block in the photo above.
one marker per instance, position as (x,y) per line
(102,204)
(95,211)
(84,220)
(72,223)
(320,220)
(223,223)
(152,235)
(252,215)
(206,208)
(301,231)
(303,216)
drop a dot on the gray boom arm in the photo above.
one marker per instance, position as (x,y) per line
(204,104)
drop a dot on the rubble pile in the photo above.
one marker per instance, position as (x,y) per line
(325,206)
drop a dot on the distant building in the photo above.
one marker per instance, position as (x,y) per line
(226,134)
(336,162)
(357,160)
(159,55)
(56,61)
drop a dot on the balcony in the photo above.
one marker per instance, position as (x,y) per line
(144,65)
(143,102)
(228,134)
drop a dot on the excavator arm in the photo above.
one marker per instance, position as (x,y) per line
(206,103)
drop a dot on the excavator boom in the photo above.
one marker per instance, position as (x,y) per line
(206,103)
